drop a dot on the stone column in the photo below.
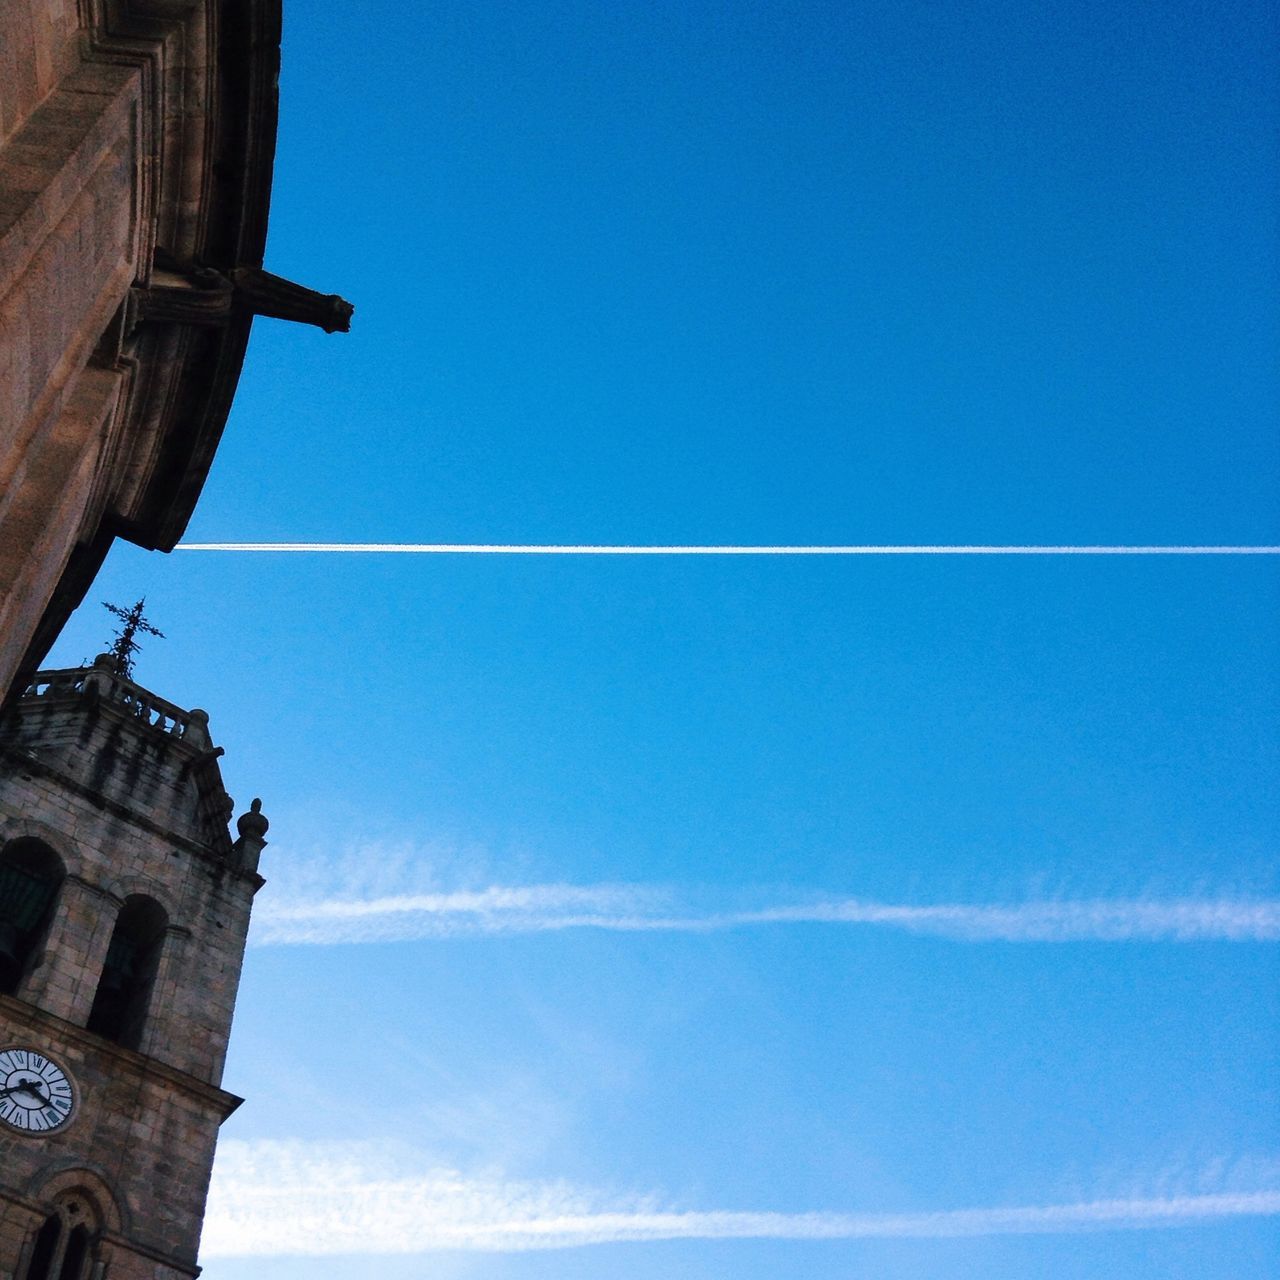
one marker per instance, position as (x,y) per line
(159,1031)
(65,979)
(17,1228)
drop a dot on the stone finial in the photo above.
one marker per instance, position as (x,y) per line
(101,676)
(196,731)
(254,823)
(252,827)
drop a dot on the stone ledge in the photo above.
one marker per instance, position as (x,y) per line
(19,762)
(129,1062)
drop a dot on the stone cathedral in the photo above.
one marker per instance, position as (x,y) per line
(124,905)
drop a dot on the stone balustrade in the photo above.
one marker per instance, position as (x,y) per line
(101,680)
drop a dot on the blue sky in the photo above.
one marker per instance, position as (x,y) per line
(603,899)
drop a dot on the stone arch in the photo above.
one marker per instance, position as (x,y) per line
(122,1002)
(126,887)
(26,828)
(79,1209)
(66,1178)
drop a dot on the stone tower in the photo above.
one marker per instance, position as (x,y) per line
(124,905)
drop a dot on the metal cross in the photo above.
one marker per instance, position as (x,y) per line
(125,645)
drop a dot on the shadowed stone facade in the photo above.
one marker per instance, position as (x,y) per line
(137,139)
(111,801)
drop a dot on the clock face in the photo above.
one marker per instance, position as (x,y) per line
(36,1095)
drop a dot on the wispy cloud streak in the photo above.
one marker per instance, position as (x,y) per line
(562,549)
(543,908)
(274,1198)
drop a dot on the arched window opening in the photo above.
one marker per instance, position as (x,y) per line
(77,1254)
(30,874)
(63,1247)
(47,1241)
(124,991)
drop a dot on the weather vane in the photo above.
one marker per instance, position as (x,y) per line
(125,645)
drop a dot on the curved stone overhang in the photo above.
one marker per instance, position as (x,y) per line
(214,107)
(193,88)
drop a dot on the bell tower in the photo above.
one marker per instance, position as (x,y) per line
(124,905)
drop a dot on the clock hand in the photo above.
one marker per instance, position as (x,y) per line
(32,1087)
(25,1086)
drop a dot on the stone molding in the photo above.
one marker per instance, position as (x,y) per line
(131,1063)
(25,760)
(112,704)
(68,1174)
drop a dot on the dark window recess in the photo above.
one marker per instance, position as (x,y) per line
(77,1254)
(45,1247)
(120,1006)
(30,873)
(64,1246)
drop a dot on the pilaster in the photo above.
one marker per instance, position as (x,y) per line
(65,976)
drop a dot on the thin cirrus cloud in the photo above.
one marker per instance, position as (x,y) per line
(499,910)
(314,1199)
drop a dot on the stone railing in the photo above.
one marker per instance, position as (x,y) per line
(54,683)
(191,727)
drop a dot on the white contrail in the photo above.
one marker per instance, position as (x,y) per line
(556,549)
(313,1199)
(544,908)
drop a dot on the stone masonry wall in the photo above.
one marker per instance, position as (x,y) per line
(147,1134)
(126,790)
(39,44)
(117,801)
(127,127)
(68,255)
